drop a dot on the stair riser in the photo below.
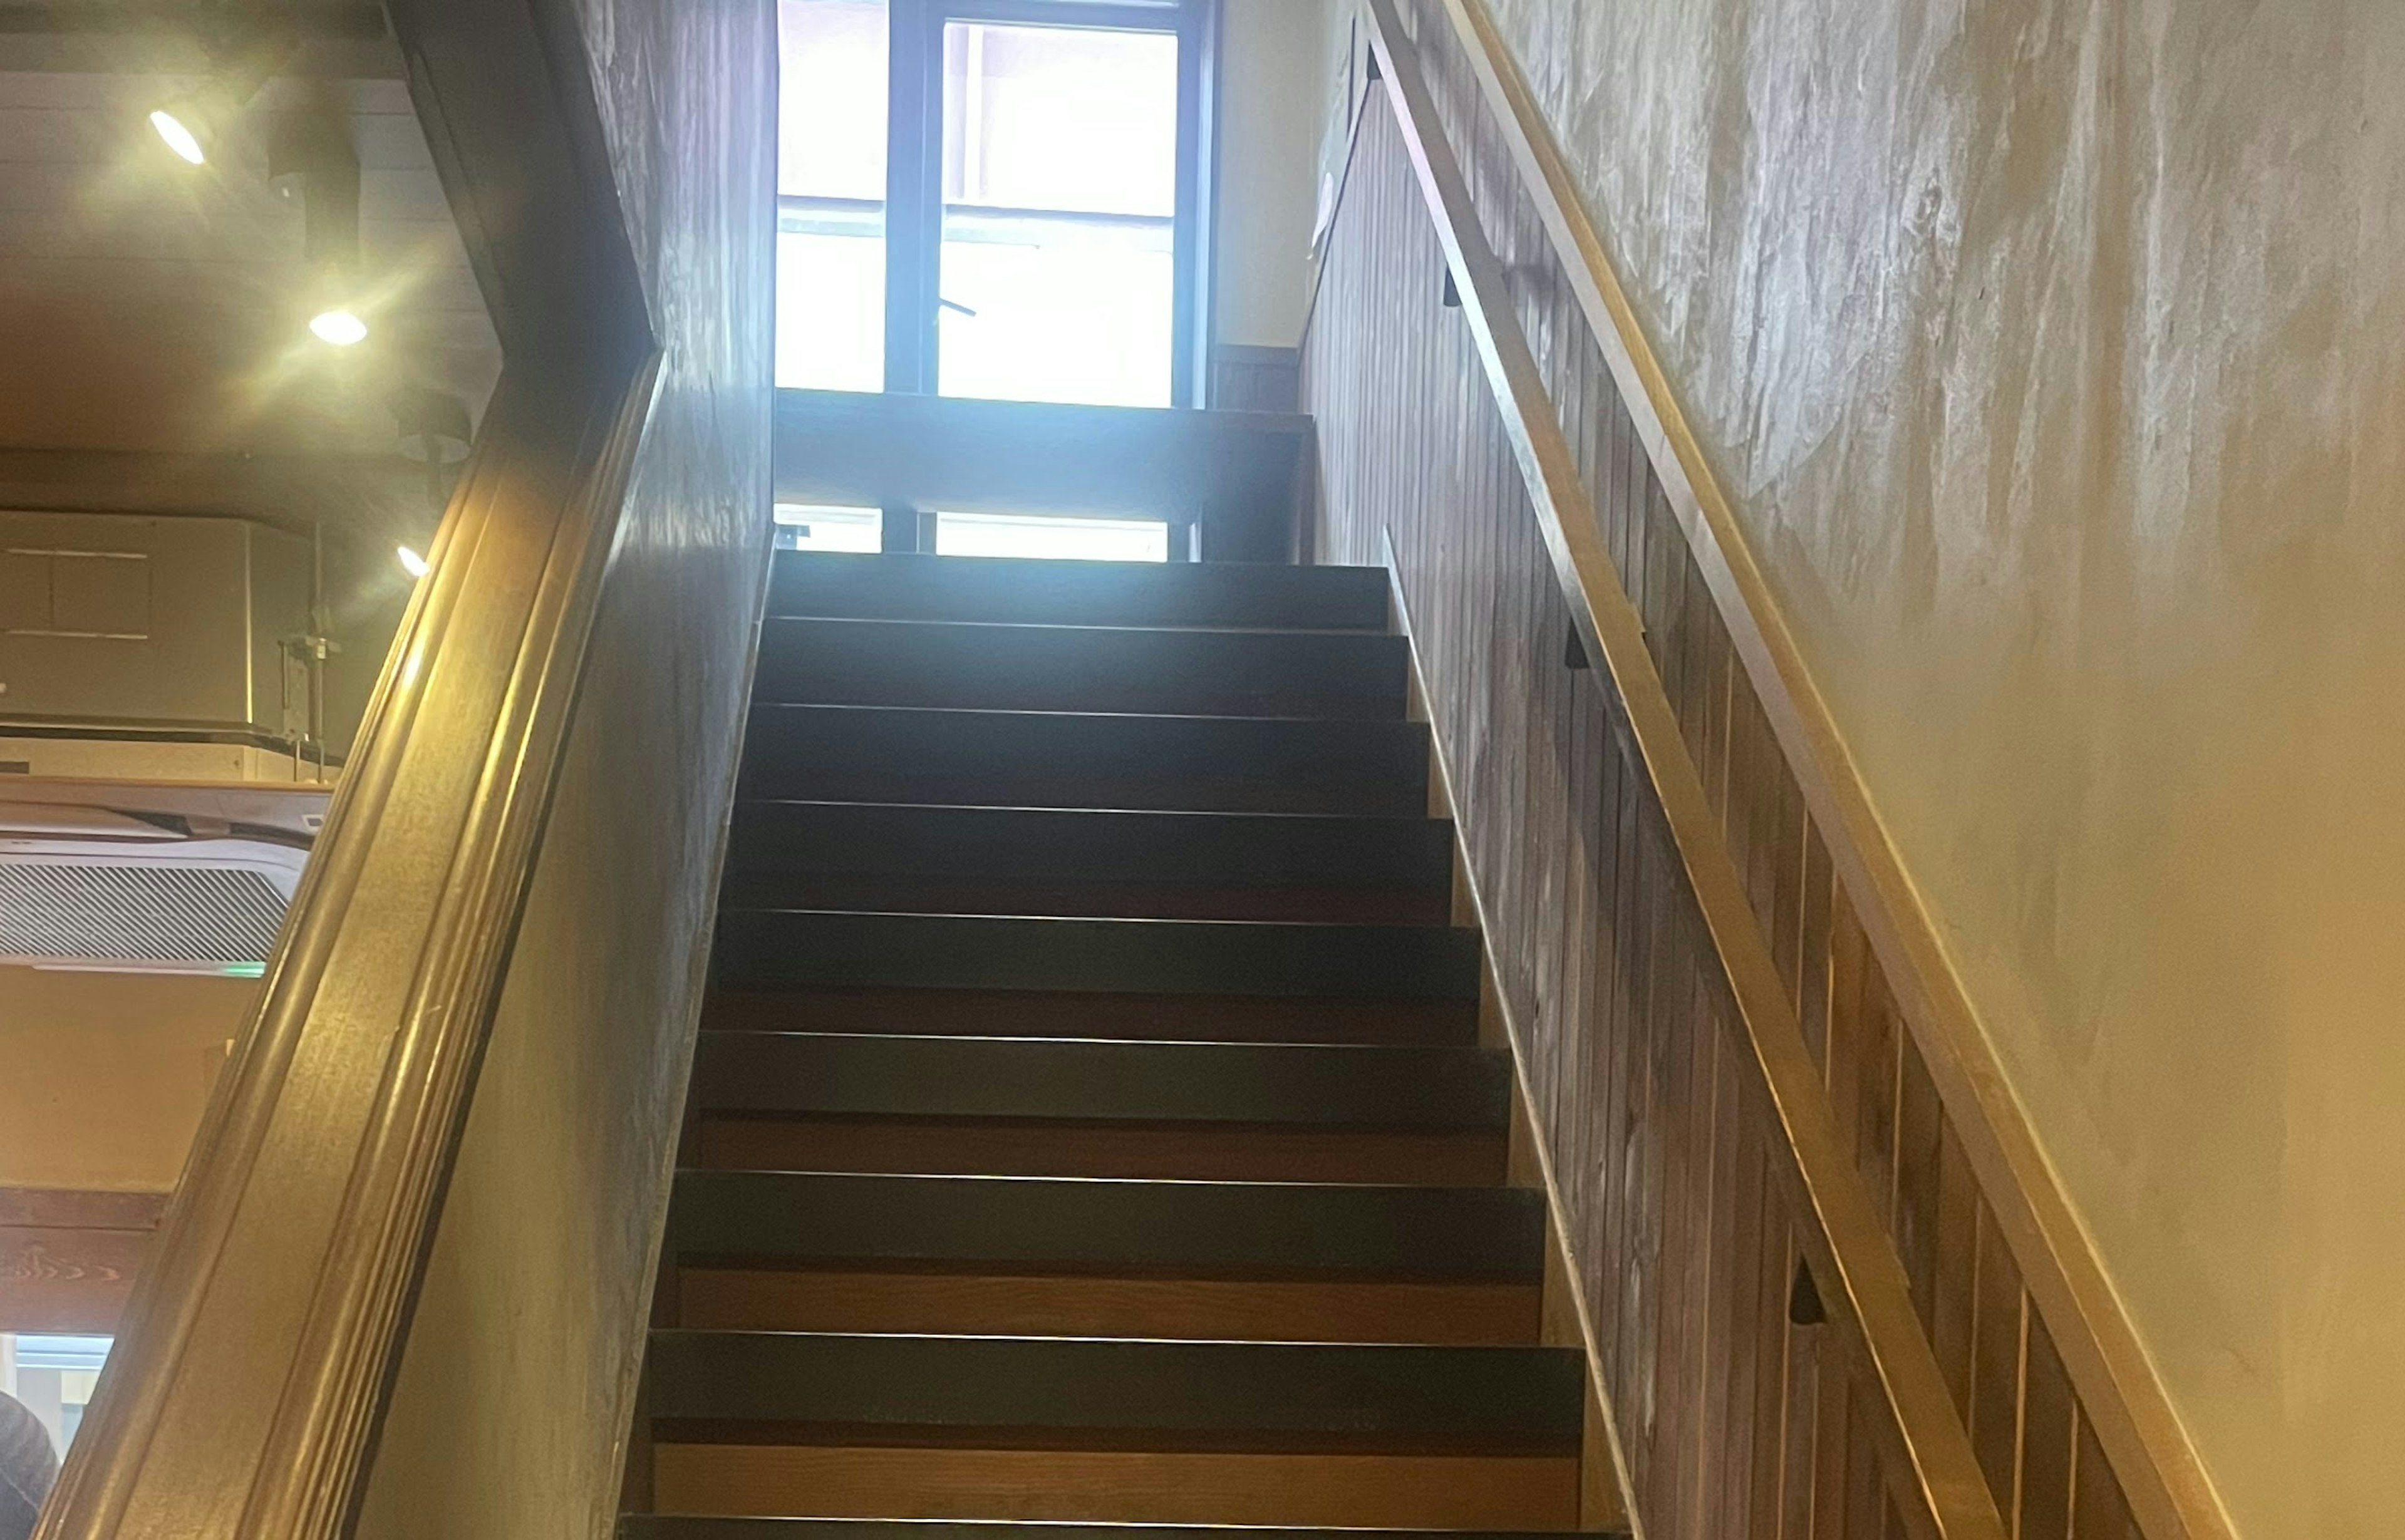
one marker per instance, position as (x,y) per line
(959,1391)
(1160,1228)
(951,588)
(829,949)
(643,1527)
(1231,849)
(1212,1309)
(1120,1487)
(1176,1153)
(978,758)
(1099,1014)
(1018,861)
(1091,900)
(1036,668)
(1206,784)
(1267,1085)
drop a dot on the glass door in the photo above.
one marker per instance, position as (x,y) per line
(1057,278)
(832,107)
(993,198)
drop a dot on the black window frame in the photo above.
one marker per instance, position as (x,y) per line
(914,190)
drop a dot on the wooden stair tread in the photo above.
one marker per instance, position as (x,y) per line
(732,1297)
(997,589)
(1053,667)
(1119,1014)
(1319,1086)
(826,948)
(1188,1228)
(959,757)
(1155,1395)
(1339,1490)
(1081,862)
(1051,1147)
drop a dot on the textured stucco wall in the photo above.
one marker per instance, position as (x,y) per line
(2054,352)
(1271,73)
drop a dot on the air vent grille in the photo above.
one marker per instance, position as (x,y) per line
(148,912)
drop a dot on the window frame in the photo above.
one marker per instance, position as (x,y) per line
(914,191)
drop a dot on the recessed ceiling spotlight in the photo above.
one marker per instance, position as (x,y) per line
(241,61)
(411,562)
(340,327)
(179,136)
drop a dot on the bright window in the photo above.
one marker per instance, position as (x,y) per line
(1061,117)
(831,194)
(1020,239)
(1049,536)
(1060,188)
(803,527)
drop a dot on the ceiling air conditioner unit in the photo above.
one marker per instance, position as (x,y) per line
(117,876)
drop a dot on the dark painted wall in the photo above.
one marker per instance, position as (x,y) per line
(516,1390)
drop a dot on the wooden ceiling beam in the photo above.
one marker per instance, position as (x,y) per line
(289,490)
(333,39)
(356,19)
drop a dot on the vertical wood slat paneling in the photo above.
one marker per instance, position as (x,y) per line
(1733,1419)
(1998,1309)
(1682,1243)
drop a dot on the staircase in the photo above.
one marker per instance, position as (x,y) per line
(1090,1125)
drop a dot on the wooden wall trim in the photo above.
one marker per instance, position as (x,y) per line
(1932,1465)
(69,1258)
(1449,788)
(2167,1485)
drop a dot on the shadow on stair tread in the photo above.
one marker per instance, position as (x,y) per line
(964,757)
(1188,672)
(1072,1149)
(1094,1013)
(1306,1085)
(824,948)
(1070,592)
(1093,844)
(1186,1228)
(1108,1393)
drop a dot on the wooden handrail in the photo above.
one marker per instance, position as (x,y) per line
(252,1367)
(2124,1398)
(1934,1471)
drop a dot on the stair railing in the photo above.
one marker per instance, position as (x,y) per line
(1860,1283)
(1932,1470)
(256,1362)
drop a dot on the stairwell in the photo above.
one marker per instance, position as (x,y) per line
(1089,1125)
